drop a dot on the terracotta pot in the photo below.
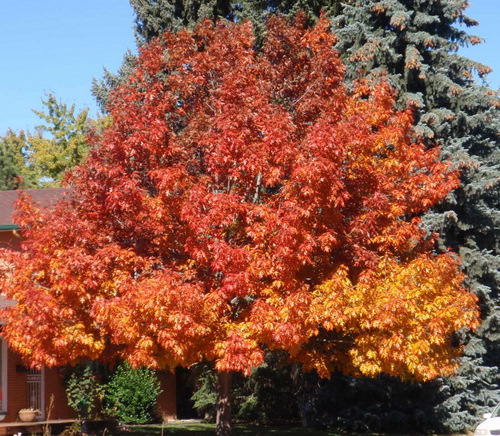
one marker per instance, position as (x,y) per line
(27,415)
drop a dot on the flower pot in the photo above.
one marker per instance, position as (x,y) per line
(26,415)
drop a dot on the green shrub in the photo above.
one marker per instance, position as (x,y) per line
(84,392)
(131,395)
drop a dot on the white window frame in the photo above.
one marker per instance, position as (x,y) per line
(4,378)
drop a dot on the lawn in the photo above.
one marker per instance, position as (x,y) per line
(209,430)
(238,430)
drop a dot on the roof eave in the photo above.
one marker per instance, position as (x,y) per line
(9,227)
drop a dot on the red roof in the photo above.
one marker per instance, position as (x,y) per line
(7,198)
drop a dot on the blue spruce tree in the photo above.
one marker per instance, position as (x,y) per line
(415,43)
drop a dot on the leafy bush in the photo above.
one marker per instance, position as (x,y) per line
(84,391)
(131,395)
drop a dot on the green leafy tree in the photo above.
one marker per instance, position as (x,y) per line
(14,172)
(58,144)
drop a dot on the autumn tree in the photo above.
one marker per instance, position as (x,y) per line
(416,43)
(242,202)
(154,17)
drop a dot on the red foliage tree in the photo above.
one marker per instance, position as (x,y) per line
(242,202)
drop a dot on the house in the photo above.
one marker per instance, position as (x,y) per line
(22,387)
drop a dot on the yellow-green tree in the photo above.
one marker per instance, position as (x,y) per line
(58,144)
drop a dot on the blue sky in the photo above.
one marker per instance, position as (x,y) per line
(57,46)
(60,45)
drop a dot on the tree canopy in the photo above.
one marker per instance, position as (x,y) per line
(242,202)
(154,17)
(58,144)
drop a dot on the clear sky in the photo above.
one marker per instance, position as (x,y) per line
(57,46)
(60,45)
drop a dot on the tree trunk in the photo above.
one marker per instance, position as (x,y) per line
(223,423)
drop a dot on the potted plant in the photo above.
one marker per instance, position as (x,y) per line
(28,415)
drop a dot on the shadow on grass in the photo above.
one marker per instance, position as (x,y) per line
(238,430)
(209,430)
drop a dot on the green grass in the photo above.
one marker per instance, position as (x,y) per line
(209,430)
(190,429)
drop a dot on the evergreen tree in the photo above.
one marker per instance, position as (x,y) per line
(13,171)
(153,17)
(9,173)
(101,88)
(415,42)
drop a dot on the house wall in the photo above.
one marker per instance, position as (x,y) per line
(56,401)
(8,239)
(167,401)
(17,386)
(17,393)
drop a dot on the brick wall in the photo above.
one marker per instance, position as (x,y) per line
(57,407)
(17,394)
